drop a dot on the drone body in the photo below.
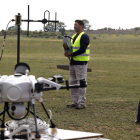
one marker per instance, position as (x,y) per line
(17,88)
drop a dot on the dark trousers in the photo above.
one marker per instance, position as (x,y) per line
(138,115)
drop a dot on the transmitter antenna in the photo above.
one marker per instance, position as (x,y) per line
(18,22)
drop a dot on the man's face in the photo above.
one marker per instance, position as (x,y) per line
(77,27)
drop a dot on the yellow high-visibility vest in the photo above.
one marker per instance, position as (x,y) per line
(76,46)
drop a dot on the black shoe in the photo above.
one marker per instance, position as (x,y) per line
(80,107)
(71,105)
(138,122)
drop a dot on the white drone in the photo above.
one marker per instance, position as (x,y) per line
(21,87)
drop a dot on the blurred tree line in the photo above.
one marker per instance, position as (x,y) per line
(49,30)
(137,28)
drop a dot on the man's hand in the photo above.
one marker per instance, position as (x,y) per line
(67,54)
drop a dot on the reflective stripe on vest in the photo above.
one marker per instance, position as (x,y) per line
(76,46)
(79,48)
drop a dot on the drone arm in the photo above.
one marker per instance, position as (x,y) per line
(53,84)
(82,84)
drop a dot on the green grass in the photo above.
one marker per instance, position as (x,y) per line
(113,89)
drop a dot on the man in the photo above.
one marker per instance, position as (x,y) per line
(78,64)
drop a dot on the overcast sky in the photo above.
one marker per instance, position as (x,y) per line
(99,13)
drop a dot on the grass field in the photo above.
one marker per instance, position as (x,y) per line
(113,89)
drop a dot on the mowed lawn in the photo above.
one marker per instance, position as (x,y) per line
(113,91)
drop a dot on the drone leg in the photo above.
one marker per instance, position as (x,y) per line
(2,137)
(37,132)
(3,113)
(52,124)
(3,120)
(33,113)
